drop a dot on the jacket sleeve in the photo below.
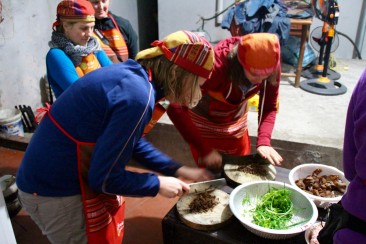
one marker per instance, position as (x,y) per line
(152,158)
(61,68)
(182,121)
(267,115)
(103,58)
(354,148)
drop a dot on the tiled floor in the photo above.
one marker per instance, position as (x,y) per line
(142,217)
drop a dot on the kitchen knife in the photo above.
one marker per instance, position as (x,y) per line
(243,159)
(203,186)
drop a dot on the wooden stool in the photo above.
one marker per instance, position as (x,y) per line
(299,27)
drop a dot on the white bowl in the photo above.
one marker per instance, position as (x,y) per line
(307,209)
(309,232)
(303,170)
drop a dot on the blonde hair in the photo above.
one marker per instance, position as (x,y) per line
(175,81)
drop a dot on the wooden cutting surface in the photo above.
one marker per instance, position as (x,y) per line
(213,219)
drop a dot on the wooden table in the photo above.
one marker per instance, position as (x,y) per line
(299,27)
(174,231)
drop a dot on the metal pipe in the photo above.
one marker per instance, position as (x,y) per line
(361,31)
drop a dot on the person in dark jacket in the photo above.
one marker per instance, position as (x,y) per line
(115,34)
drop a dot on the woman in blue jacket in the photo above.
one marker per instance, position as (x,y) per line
(74,169)
(73,52)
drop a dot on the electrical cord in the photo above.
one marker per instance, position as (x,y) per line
(354,45)
(210,18)
(218,14)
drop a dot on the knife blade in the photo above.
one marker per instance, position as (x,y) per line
(200,187)
(243,159)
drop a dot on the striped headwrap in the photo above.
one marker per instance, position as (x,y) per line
(186,49)
(74,11)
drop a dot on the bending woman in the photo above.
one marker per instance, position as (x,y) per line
(74,173)
(244,66)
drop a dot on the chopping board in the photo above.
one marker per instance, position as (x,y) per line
(213,219)
(242,169)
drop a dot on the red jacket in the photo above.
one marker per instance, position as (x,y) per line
(221,86)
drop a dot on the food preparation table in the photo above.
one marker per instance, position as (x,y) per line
(174,231)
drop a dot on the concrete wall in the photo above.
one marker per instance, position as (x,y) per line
(187,16)
(26,30)
(24,34)
(126,9)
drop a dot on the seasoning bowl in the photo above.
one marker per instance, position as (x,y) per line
(312,233)
(304,170)
(305,213)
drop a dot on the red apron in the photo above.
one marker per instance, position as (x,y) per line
(223,125)
(117,44)
(104,214)
(159,111)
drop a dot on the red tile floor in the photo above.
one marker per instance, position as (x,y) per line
(143,216)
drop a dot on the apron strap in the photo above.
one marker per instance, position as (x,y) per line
(41,112)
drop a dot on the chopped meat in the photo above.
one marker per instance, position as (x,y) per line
(322,185)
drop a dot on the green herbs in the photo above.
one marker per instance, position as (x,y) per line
(274,210)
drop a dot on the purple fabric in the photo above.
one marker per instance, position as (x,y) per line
(354,162)
(347,236)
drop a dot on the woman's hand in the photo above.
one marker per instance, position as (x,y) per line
(172,187)
(213,161)
(194,174)
(270,154)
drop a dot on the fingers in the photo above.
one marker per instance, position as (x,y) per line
(274,160)
(194,174)
(270,154)
(213,161)
(186,190)
(185,187)
(172,187)
(180,191)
